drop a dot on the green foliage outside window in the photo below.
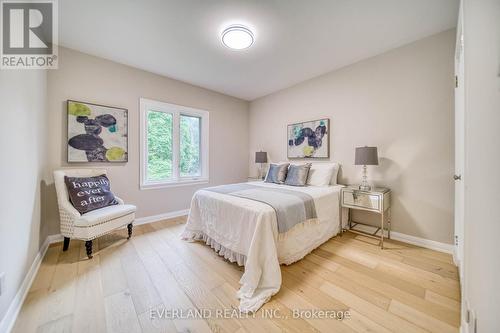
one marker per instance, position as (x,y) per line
(190,146)
(159,145)
(160,149)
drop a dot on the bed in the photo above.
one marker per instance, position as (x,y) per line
(247,232)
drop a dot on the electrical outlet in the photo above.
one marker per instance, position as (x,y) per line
(2,282)
(470,318)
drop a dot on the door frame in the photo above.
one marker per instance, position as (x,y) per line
(458,254)
(460,165)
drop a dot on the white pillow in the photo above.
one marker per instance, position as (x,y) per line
(323,174)
(335,173)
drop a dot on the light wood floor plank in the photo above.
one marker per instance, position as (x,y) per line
(113,278)
(31,311)
(89,298)
(360,257)
(348,240)
(409,250)
(60,325)
(323,262)
(369,310)
(441,272)
(371,295)
(197,265)
(143,293)
(120,313)
(418,277)
(419,304)
(126,285)
(194,287)
(294,300)
(393,280)
(310,291)
(47,269)
(225,294)
(154,324)
(286,321)
(361,323)
(419,318)
(229,271)
(445,270)
(170,292)
(443,301)
(60,300)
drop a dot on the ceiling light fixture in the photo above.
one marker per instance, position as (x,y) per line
(237,37)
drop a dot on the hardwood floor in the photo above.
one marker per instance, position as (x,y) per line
(403,288)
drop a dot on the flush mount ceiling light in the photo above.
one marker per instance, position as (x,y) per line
(237,37)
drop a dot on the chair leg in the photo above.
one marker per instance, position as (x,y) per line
(88,246)
(66,244)
(129,228)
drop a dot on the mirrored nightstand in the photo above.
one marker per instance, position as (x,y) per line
(377,200)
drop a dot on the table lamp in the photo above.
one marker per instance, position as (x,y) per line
(260,157)
(365,156)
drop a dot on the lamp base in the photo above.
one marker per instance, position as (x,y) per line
(261,171)
(365,187)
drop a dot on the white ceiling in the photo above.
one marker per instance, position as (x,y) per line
(295,39)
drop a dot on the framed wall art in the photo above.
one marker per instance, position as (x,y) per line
(309,139)
(97,133)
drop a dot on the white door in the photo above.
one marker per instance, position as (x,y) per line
(459,144)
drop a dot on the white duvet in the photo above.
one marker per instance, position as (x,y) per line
(246,231)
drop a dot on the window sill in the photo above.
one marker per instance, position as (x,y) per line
(178,183)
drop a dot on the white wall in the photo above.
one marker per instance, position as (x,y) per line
(482,161)
(400,101)
(33,144)
(22,143)
(91,79)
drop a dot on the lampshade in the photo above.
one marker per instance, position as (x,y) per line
(366,156)
(261,157)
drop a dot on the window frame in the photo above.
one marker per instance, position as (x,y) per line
(176,111)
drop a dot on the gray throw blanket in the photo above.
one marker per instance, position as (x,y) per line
(292,207)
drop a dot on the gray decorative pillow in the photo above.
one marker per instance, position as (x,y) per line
(297,174)
(277,173)
(89,193)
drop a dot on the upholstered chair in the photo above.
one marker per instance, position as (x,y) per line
(95,223)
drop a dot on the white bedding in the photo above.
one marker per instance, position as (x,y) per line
(246,231)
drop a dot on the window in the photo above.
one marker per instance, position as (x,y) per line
(174,145)
(190,146)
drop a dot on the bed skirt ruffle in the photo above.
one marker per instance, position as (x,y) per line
(305,224)
(228,254)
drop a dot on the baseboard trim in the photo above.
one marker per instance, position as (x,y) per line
(427,243)
(455,256)
(8,321)
(57,238)
(457,262)
(142,220)
(161,217)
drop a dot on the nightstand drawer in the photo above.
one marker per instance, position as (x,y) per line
(362,200)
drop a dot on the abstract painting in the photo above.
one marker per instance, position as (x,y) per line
(97,133)
(310,139)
